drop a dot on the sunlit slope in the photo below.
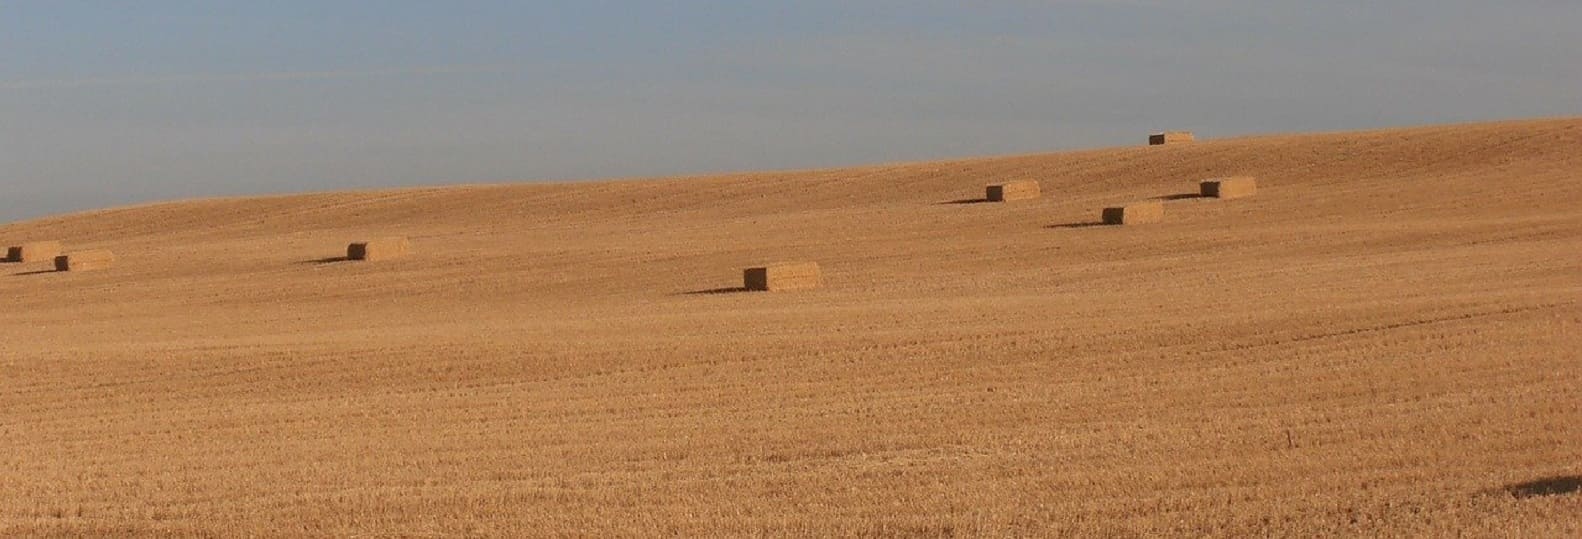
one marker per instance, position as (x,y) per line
(1382,336)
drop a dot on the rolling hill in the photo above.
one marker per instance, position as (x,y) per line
(1383,341)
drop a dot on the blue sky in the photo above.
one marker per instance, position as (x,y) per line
(113,102)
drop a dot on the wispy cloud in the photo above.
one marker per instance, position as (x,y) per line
(283,76)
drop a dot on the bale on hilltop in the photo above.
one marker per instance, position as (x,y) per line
(1170,137)
(1236,187)
(784,276)
(1017,190)
(1136,213)
(33,251)
(379,249)
(92,260)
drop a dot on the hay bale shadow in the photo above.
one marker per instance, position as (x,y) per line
(1181,196)
(964,201)
(1083,224)
(717,291)
(330,260)
(35,272)
(1549,486)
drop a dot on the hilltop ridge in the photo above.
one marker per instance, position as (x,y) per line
(1317,160)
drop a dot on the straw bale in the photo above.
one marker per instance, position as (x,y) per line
(34,251)
(1136,213)
(1237,187)
(96,259)
(785,276)
(379,249)
(1017,190)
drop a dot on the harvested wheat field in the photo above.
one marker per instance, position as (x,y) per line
(1382,342)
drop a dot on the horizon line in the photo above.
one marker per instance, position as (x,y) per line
(265,76)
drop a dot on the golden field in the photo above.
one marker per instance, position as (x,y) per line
(1383,341)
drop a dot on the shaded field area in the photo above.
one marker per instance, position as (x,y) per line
(1381,341)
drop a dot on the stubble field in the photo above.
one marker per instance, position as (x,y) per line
(1383,341)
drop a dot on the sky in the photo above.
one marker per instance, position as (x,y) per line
(114,102)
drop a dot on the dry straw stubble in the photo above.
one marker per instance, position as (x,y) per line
(960,372)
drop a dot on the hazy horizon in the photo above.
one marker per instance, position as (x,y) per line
(106,106)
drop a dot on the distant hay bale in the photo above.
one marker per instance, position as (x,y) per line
(1017,190)
(33,251)
(1170,137)
(787,276)
(379,249)
(96,259)
(1237,187)
(1136,213)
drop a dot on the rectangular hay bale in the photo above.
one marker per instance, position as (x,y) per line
(1237,187)
(96,259)
(1170,137)
(33,251)
(379,249)
(1136,213)
(787,276)
(1017,190)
